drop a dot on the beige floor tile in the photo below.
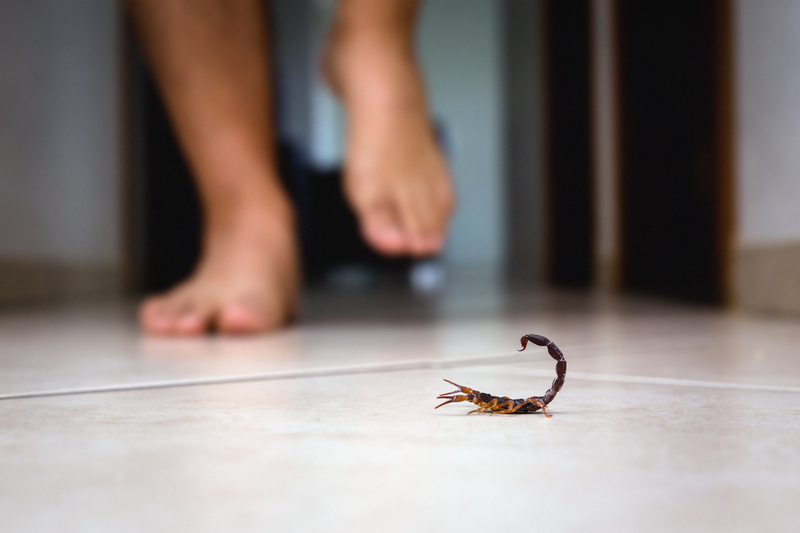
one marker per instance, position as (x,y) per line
(369,453)
(96,346)
(672,418)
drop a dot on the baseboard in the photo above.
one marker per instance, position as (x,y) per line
(42,280)
(767,278)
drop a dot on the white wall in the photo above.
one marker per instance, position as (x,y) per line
(767,65)
(524,141)
(768,116)
(460,46)
(59,153)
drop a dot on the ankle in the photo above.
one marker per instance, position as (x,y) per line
(355,60)
(376,84)
(247,209)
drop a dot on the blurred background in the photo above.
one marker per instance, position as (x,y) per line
(637,147)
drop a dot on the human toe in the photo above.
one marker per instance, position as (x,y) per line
(156,316)
(381,229)
(386,239)
(242,318)
(426,244)
(193,320)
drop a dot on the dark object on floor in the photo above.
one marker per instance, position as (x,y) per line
(330,237)
(487,402)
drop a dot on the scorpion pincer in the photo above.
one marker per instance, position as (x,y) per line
(496,404)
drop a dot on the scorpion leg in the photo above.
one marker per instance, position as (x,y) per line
(515,408)
(541,405)
(507,407)
(492,405)
(503,406)
(489,406)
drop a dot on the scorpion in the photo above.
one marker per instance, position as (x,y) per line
(505,405)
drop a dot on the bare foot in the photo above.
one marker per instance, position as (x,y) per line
(395,178)
(246,281)
(212,64)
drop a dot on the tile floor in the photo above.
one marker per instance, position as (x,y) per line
(672,419)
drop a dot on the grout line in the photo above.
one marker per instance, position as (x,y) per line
(417,364)
(648,380)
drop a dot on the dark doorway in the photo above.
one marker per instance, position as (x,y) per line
(569,209)
(675,147)
(675,183)
(166,203)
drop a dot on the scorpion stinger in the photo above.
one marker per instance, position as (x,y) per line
(504,404)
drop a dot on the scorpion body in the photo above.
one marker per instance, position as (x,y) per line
(504,404)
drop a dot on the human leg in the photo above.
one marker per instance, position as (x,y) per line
(211,64)
(396,178)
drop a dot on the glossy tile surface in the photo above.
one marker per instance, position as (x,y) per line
(671,418)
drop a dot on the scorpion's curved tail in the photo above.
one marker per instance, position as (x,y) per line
(555,353)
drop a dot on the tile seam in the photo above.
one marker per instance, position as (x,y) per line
(652,380)
(395,366)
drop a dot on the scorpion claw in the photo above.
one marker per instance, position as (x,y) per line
(449,400)
(450,397)
(460,388)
